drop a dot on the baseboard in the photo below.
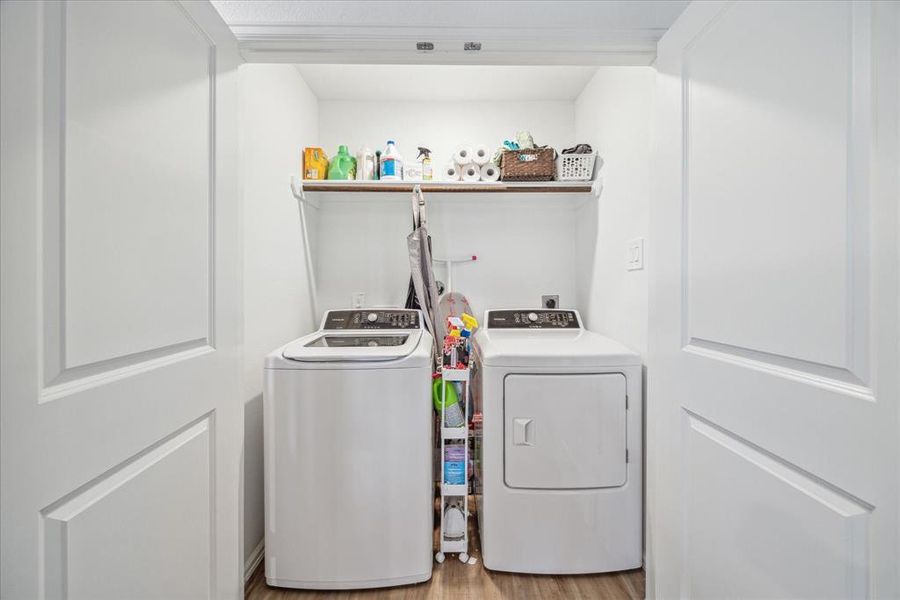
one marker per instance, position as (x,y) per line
(253,561)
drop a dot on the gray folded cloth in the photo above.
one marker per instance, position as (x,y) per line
(579,149)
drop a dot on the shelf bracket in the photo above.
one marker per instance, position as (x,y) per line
(302,202)
(300,193)
(597,187)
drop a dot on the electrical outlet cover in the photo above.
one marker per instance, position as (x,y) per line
(634,254)
(359,299)
(550,301)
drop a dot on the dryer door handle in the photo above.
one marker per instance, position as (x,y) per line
(523,432)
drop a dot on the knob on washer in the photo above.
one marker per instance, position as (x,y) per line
(372,317)
(532,317)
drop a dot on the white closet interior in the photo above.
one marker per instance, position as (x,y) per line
(527,245)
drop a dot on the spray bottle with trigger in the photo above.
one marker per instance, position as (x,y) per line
(425,156)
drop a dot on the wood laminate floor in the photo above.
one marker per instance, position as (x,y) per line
(453,580)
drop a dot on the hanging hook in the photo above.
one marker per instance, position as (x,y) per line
(418,206)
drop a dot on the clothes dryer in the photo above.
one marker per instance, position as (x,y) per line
(558,461)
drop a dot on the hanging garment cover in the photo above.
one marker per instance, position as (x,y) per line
(412,301)
(422,271)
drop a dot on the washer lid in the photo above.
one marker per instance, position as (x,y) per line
(353,346)
(551,348)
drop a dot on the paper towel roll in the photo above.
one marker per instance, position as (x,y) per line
(481,154)
(490,172)
(451,172)
(470,172)
(463,155)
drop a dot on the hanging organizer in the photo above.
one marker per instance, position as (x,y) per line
(454,494)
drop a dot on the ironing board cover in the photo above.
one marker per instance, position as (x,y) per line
(422,274)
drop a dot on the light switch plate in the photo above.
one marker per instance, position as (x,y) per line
(634,254)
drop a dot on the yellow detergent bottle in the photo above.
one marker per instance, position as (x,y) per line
(315,163)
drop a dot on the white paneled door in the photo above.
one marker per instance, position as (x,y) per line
(121,419)
(773,373)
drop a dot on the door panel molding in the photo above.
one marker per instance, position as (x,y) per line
(739,493)
(847,360)
(60,373)
(826,377)
(58,518)
(78,379)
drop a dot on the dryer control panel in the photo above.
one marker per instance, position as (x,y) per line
(533,319)
(375,318)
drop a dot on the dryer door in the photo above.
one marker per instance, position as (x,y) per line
(564,431)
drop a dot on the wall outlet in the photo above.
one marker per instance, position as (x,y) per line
(634,254)
(550,301)
(358,300)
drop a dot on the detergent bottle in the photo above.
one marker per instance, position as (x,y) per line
(365,164)
(315,163)
(453,414)
(391,163)
(343,166)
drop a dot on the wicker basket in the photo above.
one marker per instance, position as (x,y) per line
(535,164)
(576,167)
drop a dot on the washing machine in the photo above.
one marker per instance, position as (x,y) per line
(558,460)
(348,437)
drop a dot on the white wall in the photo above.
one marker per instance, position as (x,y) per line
(441,126)
(279,115)
(525,247)
(613,114)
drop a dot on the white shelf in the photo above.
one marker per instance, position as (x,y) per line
(448,489)
(350,191)
(454,433)
(553,187)
(455,374)
(449,546)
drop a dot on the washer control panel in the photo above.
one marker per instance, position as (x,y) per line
(375,318)
(532,319)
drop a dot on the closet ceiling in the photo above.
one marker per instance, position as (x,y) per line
(533,32)
(446,82)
